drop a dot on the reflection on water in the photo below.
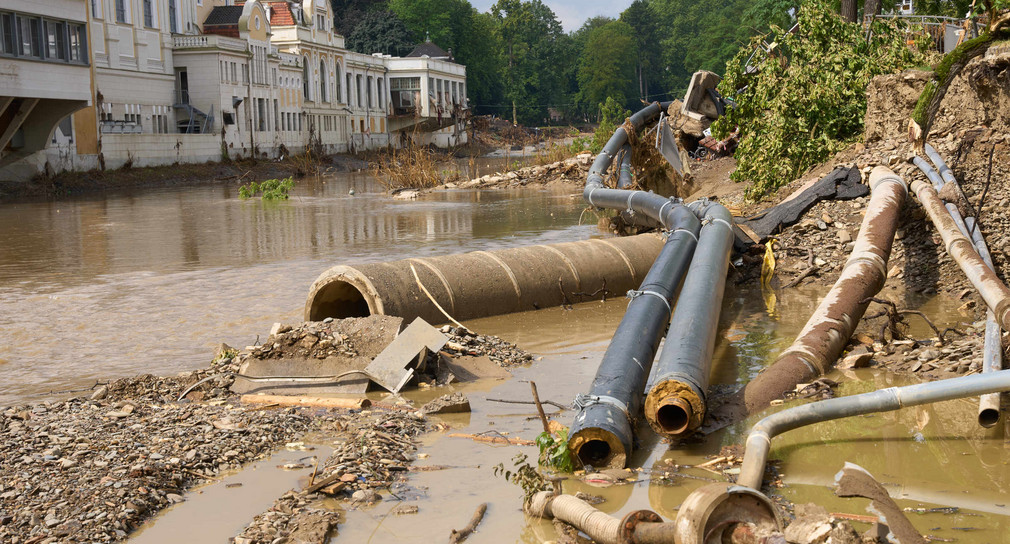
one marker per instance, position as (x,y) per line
(153,280)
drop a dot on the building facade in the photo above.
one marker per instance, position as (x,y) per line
(163,81)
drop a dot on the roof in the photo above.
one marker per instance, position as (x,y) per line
(224,15)
(280,14)
(428,49)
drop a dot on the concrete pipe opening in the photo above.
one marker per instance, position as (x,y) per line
(674,415)
(988,417)
(342,292)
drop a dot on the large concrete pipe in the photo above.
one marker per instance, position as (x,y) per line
(828,330)
(484,283)
(675,398)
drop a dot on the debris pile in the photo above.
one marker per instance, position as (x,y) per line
(92,469)
(569,171)
(373,452)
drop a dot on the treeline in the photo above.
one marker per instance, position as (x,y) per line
(519,58)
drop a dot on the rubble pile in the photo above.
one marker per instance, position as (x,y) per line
(465,342)
(373,451)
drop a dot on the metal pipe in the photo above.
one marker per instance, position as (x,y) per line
(639,527)
(989,411)
(884,400)
(826,333)
(602,432)
(675,400)
(959,247)
(483,283)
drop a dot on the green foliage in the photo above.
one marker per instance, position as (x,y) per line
(524,475)
(380,32)
(806,99)
(607,64)
(271,189)
(612,115)
(578,145)
(554,451)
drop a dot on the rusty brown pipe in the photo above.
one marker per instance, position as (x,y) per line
(639,527)
(823,338)
(995,294)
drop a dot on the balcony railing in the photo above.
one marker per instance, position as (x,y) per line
(208,41)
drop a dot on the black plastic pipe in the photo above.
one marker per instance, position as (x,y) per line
(624,175)
(675,399)
(602,433)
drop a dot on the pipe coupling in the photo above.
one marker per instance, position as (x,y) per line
(632,520)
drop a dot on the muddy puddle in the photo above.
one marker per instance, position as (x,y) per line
(218,511)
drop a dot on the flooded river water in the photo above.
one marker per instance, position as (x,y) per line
(151,281)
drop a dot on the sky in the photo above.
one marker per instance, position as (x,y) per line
(572,13)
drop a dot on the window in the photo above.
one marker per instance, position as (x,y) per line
(403,91)
(348,79)
(323,80)
(357,89)
(8,34)
(78,43)
(148,14)
(336,80)
(173,13)
(121,11)
(56,40)
(245,74)
(305,77)
(234,74)
(369,91)
(382,98)
(96,9)
(30,30)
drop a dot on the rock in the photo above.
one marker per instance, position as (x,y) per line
(366,496)
(174,499)
(812,525)
(821,225)
(929,355)
(100,393)
(447,404)
(859,357)
(844,236)
(826,218)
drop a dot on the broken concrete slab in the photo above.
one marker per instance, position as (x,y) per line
(455,403)
(392,369)
(859,357)
(854,481)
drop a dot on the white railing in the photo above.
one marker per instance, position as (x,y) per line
(207,41)
(186,42)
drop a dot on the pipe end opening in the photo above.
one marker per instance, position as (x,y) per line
(674,415)
(338,299)
(988,417)
(597,448)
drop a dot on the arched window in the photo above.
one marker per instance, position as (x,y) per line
(336,81)
(305,77)
(323,81)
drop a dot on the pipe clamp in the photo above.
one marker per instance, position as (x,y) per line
(633,294)
(583,401)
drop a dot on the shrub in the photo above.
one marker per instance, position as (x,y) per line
(612,115)
(803,97)
(271,189)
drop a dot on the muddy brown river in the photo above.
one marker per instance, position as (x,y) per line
(152,280)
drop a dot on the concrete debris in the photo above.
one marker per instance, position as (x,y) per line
(447,404)
(392,367)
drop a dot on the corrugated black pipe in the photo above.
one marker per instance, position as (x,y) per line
(675,403)
(602,433)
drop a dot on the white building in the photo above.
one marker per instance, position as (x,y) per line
(168,81)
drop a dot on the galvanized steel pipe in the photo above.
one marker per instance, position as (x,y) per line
(884,400)
(602,432)
(675,400)
(483,283)
(989,409)
(959,247)
(823,338)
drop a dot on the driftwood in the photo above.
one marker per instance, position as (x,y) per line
(317,402)
(459,536)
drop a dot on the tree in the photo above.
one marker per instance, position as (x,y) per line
(531,39)
(848,11)
(380,32)
(642,19)
(347,13)
(607,65)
